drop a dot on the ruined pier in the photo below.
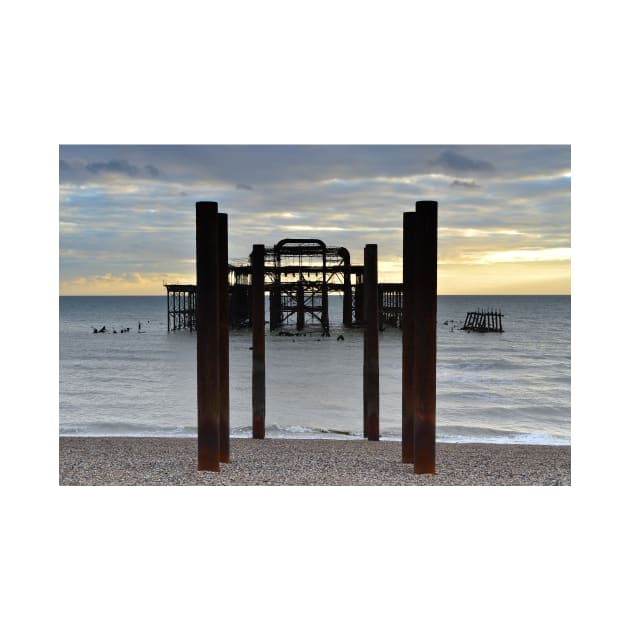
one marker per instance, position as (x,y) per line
(299,275)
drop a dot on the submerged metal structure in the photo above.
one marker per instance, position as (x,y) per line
(483,320)
(181,306)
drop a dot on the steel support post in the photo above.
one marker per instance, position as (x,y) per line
(224,338)
(347,295)
(274,305)
(299,294)
(370,370)
(408,323)
(258,333)
(424,341)
(208,367)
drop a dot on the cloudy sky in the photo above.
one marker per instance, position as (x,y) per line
(127,213)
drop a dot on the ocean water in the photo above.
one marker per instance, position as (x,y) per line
(512,387)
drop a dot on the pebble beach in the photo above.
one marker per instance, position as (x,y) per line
(91,461)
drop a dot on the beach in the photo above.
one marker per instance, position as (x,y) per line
(130,461)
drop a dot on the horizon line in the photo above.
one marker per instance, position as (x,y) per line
(340,293)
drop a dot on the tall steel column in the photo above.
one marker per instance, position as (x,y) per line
(409,266)
(370,357)
(224,338)
(258,333)
(424,339)
(299,295)
(208,366)
(347,295)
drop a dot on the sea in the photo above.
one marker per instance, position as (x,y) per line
(507,388)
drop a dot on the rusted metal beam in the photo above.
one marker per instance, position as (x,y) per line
(224,338)
(347,291)
(208,367)
(370,357)
(258,334)
(300,305)
(275,304)
(424,342)
(408,322)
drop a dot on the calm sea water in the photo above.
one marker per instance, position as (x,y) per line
(513,387)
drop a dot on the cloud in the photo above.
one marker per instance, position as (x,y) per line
(85,171)
(528,255)
(113,166)
(453,161)
(464,183)
(152,171)
(244,187)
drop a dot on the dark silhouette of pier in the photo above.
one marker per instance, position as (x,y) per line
(298,275)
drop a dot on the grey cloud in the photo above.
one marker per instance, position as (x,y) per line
(122,167)
(464,183)
(263,165)
(113,166)
(152,170)
(244,187)
(454,161)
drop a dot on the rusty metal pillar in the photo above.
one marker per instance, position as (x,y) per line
(347,294)
(299,295)
(258,333)
(409,266)
(208,366)
(424,341)
(275,295)
(358,298)
(370,356)
(324,313)
(224,339)
(275,304)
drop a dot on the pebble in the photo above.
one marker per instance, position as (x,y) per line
(284,462)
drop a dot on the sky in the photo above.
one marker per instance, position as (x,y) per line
(127,213)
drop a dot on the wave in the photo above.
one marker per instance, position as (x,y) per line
(298,431)
(125,429)
(486,435)
(449,434)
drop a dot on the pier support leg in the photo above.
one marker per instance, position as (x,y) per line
(358,300)
(410,230)
(258,333)
(208,366)
(300,305)
(370,360)
(347,296)
(224,339)
(275,305)
(424,342)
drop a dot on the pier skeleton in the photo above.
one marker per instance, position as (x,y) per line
(299,276)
